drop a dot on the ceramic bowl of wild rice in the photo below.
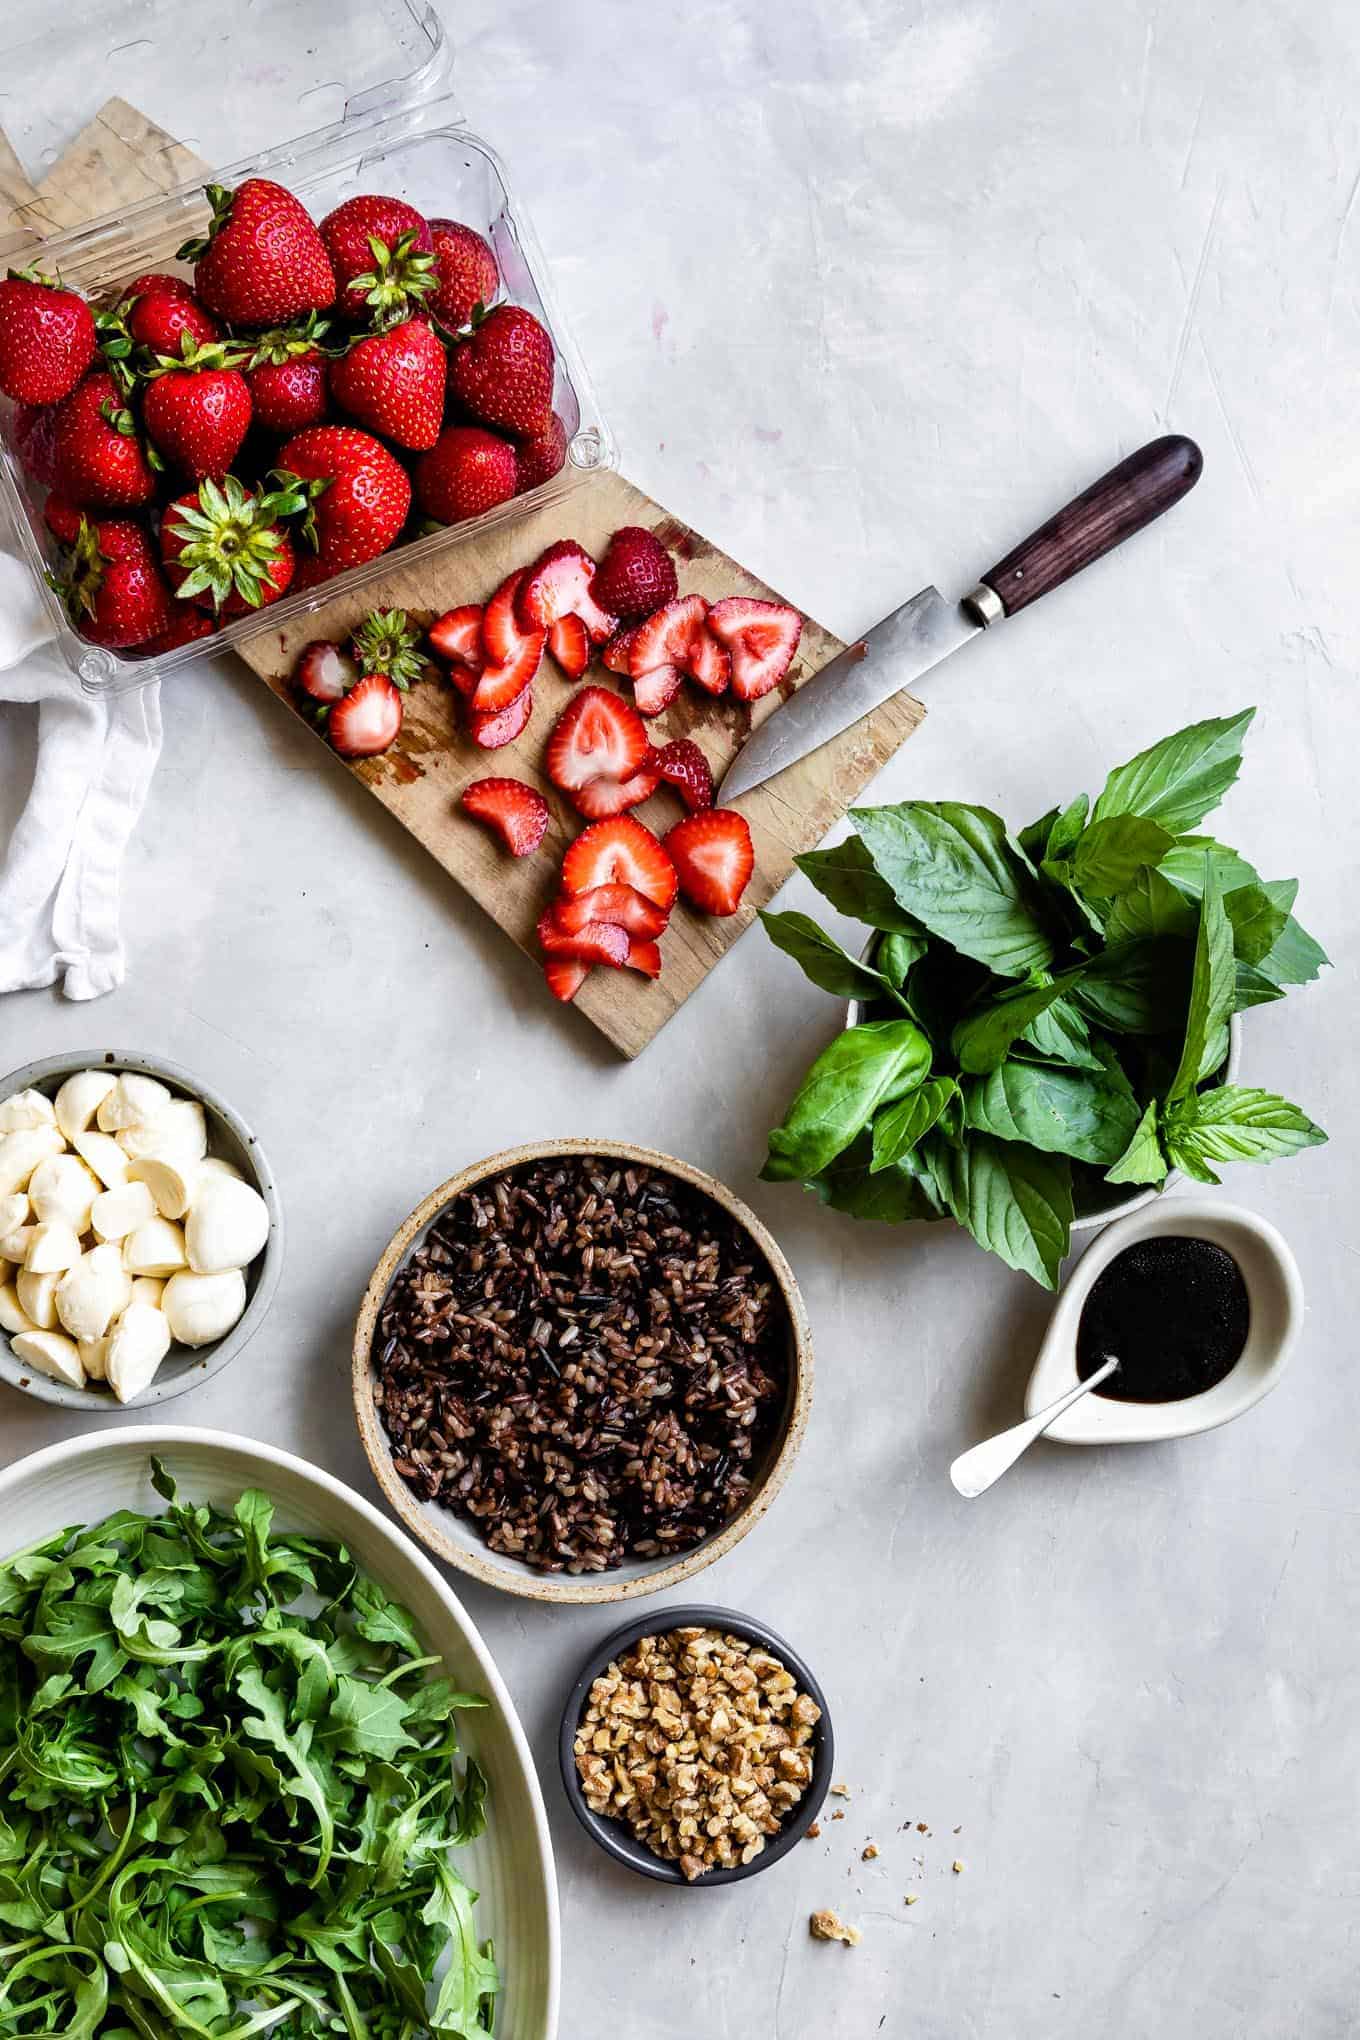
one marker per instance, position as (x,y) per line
(582,1371)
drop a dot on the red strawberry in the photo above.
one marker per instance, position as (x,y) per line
(381,253)
(596,942)
(35,442)
(153,279)
(367,720)
(670,637)
(570,645)
(225,547)
(622,904)
(160,318)
(466,271)
(393,382)
(101,462)
(286,377)
(540,458)
(617,654)
(644,955)
(683,765)
(466,471)
(558,584)
(363,508)
(564,977)
(324,672)
(637,574)
(187,625)
(596,736)
(762,638)
(656,690)
(514,810)
(502,683)
(709,664)
(502,634)
(113,589)
(62,518)
(456,637)
(47,338)
(620,851)
(385,643)
(713,857)
(262,262)
(119,538)
(603,796)
(503,373)
(502,725)
(198,412)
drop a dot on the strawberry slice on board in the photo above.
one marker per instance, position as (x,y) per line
(597,736)
(684,766)
(502,725)
(713,857)
(558,584)
(367,720)
(325,672)
(620,851)
(644,955)
(517,813)
(667,637)
(709,664)
(456,636)
(656,690)
(596,942)
(601,797)
(569,643)
(617,654)
(565,977)
(622,904)
(498,686)
(502,633)
(762,638)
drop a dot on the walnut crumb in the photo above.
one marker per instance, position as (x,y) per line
(957,1867)
(838,1816)
(911,1898)
(825,1926)
(840,1790)
(813,1832)
(869,1851)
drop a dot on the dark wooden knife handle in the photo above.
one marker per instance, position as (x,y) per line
(1102,517)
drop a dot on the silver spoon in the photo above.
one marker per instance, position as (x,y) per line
(974,1471)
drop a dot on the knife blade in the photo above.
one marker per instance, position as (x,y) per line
(915,638)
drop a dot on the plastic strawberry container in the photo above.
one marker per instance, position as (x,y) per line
(328,97)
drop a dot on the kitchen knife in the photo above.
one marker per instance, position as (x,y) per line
(906,645)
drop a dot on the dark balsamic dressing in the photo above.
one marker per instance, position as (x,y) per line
(1176,1313)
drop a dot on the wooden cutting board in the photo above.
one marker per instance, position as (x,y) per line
(121,157)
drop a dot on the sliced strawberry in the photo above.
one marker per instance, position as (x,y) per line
(517,813)
(668,635)
(569,643)
(565,977)
(622,904)
(596,942)
(620,851)
(597,736)
(464,678)
(324,672)
(600,797)
(684,766)
(762,638)
(644,955)
(456,636)
(558,584)
(713,857)
(656,690)
(617,654)
(503,725)
(367,719)
(709,664)
(502,635)
(498,686)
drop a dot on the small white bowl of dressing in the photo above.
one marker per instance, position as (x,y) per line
(1274,1291)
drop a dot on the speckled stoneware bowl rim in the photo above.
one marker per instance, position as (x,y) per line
(513,1576)
(183,1368)
(616,1839)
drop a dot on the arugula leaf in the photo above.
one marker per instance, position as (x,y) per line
(864,1067)
(981,1039)
(1212,990)
(366,1720)
(951,867)
(471,1979)
(1088,1114)
(1016,1203)
(898,1127)
(382,1620)
(1113,852)
(824,961)
(1178,781)
(846,876)
(1234,1123)
(1142,1160)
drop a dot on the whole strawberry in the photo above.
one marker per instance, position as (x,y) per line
(360,505)
(540,458)
(393,382)
(187,625)
(262,262)
(636,575)
(466,270)
(47,338)
(503,372)
(101,463)
(225,547)
(382,256)
(137,330)
(197,410)
(286,376)
(466,471)
(153,279)
(114,592)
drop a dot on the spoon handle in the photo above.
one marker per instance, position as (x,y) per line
(974,1471)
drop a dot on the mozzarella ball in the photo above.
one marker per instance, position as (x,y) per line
(62,1187)
(137,1345)
(53,1248)
(218,1165)
(80,1097)
(93,1293)
(155,1248)
(101,1152)
(134,1101)
(227,1226)
(147,1289)
(13,1211)
(13,1316)
(118,1212)
(51,1354)
(38,1297)
(21,1153)
(25,1111)
(94,1357)
(14,1245)
(201,1308)
(171,1183)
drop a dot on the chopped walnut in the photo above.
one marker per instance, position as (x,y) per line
(868,1852)
(701,1742)
(825,1926)
(840,1790)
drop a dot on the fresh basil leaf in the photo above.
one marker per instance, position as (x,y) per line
(1137,987)
(951,868)
(1258,914)
(822,959)
(1088,1114)
(1142,1160)
(864,1067)
(1212,990)
(1183,864)
(982,1039)
(845,876)
(895,1196)
(1033,840)
(1067,830)
(1178,781)
(1060,1034)
(898,1127)
(1296,958)
(896,955)
(1254,988)
(1113,852)
(1015,1202)
(1234,1123)
(1150,906)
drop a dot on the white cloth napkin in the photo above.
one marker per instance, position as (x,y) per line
(60,877)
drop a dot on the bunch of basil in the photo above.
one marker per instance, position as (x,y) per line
(1049,1010)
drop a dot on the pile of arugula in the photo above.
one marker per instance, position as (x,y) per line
(1049,1011)
(220,1815)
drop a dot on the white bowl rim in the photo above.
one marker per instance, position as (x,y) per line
(1103,1420)
(202,1363)
(159,1437)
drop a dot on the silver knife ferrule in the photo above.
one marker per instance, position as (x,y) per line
(984,603)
